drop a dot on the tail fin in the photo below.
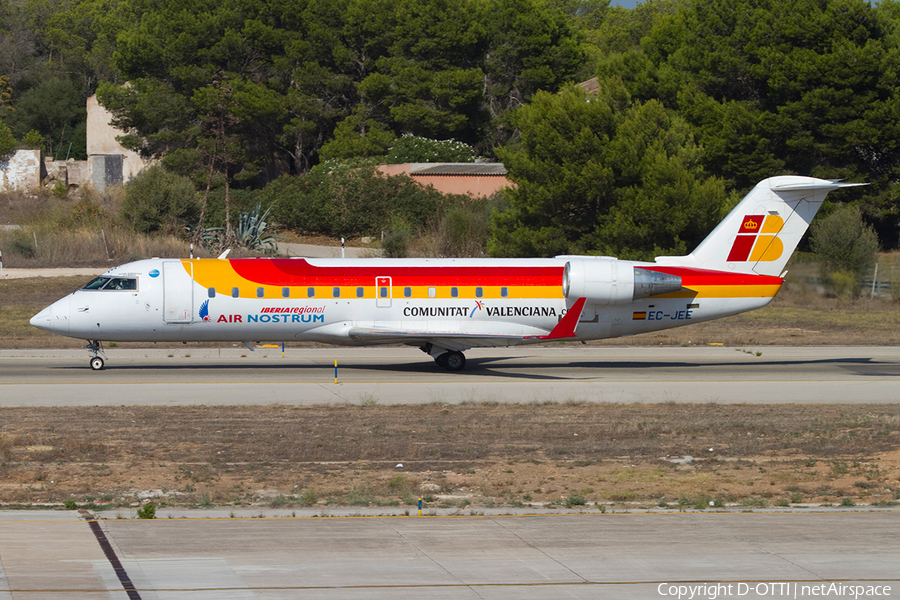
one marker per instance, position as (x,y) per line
(763,230)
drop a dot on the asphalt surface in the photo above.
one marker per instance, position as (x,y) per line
(625,556)
(234,375)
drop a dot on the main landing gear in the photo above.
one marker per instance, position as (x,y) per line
(452,360)
(96,351)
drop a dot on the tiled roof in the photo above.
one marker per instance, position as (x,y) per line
(457,169)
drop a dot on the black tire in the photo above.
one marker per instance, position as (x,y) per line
(96,363)
(454,361)
(441,360)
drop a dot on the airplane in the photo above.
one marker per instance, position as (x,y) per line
(447,306)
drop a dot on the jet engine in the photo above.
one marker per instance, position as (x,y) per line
(604,280)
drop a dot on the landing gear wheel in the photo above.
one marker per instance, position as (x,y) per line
(454,361)
(96,351)
(441,360)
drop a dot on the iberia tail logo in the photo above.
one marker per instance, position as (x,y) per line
(757,239)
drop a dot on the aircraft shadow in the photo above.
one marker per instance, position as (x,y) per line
(507,367)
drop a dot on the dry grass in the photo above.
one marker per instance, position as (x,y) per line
(45,231)
(456,455)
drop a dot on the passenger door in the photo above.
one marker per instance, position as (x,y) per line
(383,292)
(178,292)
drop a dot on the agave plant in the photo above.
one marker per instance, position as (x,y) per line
(252,229)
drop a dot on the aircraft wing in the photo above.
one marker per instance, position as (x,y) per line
(454,336)
(449,340)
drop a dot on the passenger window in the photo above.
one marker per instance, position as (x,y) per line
(479,292)
(234,292)
(407,292)
(260,292)
(311,292)
(504,292)
(359,292)
(383,292)
(336,292)
(211,292)
(454,292)
(432,292)
(285,292)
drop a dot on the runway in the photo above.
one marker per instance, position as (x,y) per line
(624,556)
(234,375)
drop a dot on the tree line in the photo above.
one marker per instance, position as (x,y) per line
(697,100)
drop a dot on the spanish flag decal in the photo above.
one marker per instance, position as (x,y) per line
(757,239)
(639,316)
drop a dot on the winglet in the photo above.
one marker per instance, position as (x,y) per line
(566,326)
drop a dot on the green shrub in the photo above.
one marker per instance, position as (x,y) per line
(34,140)
(349,202)
(576,500)
(415,149)
(309,497)
(463,229)
(396,241)
(844,243)
(8,143)
(157,200)
(844,284)
(21,244)
(147,511)
(60,189)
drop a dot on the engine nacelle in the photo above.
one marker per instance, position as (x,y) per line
(604,280)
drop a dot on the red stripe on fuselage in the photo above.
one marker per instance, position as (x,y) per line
(690,276)
(292,272)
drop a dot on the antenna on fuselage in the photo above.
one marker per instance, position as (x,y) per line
(224,254)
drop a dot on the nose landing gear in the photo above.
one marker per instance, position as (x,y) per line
(96,351)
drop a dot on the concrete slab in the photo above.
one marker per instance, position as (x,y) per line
(577,556)
(534,557)
(51,555)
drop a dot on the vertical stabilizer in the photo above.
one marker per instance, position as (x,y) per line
(763,230)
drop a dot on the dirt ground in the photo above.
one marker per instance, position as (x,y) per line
(466,456)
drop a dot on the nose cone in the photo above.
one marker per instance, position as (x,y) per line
(54,318)
(42,320)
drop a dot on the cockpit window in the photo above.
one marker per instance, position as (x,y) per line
(112,283)
(121,283)
(96,284)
